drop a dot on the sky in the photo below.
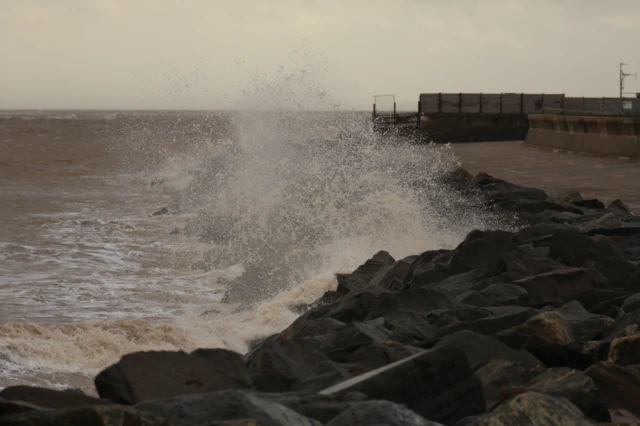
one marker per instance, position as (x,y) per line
(206,54)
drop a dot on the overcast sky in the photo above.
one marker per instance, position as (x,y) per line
(112,54)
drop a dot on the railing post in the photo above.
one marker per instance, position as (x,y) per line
(395,117)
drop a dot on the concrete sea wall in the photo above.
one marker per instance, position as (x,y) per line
(610,136)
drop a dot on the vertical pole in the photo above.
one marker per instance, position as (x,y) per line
(374,110)
(395,117)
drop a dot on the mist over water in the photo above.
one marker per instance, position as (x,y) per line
(278,195)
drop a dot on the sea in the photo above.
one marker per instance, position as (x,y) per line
(126,231)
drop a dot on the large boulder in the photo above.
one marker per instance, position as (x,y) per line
(371,267)
(386,413)
(481,349)
(562,284)
(282,365)
(95,415)
(394,276)
(322,408)
(217,407)
(618,386)
(49,398)
(531,409)
(623,350)
(160,374)
(437,384)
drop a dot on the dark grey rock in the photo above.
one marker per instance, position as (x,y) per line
(207,408)
(322,408)
(95,415)
(618,386)
(150,375)
(160,212)
(437,384)
(295,362)
(563,284)
(386,413)
(367,270)
(394,276)
(502,294)
(460,283)
(481,349)
(532,409)
(49,398)
(631,303)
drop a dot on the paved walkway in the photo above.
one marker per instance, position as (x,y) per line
(595,177)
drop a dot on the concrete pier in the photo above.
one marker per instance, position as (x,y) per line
(610,136)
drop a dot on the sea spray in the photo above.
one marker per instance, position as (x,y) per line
(284,193)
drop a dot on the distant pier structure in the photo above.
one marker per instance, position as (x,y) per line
(476,117)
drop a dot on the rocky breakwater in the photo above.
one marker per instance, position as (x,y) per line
(538,326)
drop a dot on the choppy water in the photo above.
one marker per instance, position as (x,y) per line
(270,205)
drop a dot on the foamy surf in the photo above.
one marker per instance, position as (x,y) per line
(266,204)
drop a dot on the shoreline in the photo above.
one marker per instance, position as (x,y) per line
(539,320)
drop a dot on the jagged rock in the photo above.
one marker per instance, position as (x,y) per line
(551,327)
(312,328)
(207,408)
(352,337)
(437,384)
(9,408)
(589,204)
(563,382)
(622,417)
(570,196)
(386,413)
(621,325)
(49,398)
(631,303)
(95,415)
(592,298)
(619,208)
(160,374)
(502,294)
(481,250)
(572,248)
(160,212)
(460,283)
(531,409)
(368,269)
(562,284)
(349,282)
(481,349)
(584,326)
(618,386)
(291,363)
(517,193)
(378,355)
(322,408)
(497,321)
(393,277)
(537,207)
(421,301)
(623,350)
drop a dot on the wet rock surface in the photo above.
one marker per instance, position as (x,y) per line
(533,326)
